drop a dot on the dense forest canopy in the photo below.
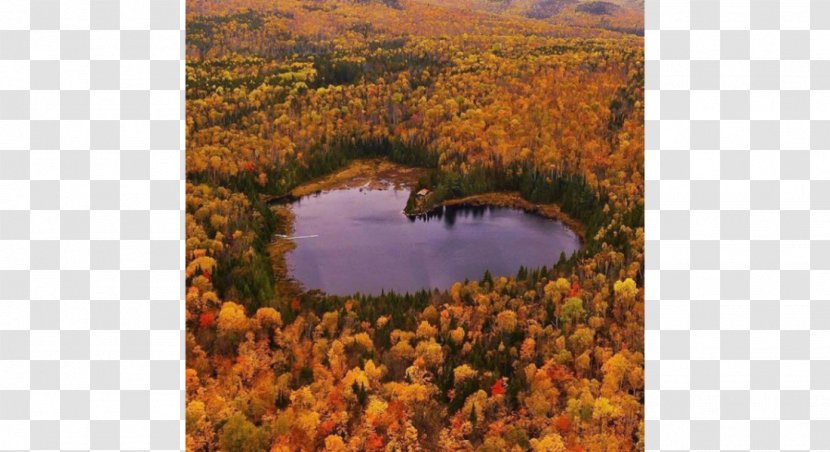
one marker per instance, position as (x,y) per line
(542,98)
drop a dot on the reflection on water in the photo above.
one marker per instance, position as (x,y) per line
(449,214)
(365,244)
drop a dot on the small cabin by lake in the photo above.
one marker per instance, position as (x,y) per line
(422,193)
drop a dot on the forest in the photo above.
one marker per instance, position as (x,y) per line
(539,97)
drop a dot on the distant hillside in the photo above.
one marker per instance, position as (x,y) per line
(618,15)
(598,8)
(545,9)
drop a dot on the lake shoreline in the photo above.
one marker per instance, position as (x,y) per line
(372,174)
(369,175)
(380,174)
(514,200)
(358,240)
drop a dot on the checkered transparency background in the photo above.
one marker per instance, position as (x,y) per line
(738,225)
(91,224)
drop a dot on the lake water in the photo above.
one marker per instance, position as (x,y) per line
(366,244)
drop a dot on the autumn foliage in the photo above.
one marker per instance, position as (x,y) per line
(486,98)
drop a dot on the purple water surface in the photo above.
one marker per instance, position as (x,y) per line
(366,244)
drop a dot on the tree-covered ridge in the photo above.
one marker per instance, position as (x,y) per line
(624,16)
(279,93)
